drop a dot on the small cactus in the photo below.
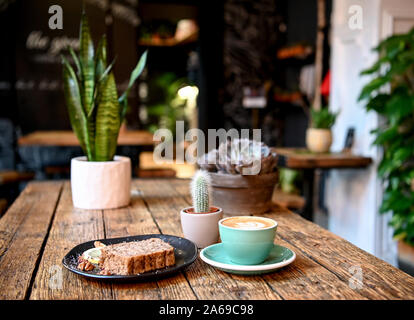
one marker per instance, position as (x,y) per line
(200,191)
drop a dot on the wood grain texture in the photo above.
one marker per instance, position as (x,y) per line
(305,279)
(70,227)
(135,220)
(380,280)
(42,226)
(207,282)
(68,138)
(295,158)
(23,230)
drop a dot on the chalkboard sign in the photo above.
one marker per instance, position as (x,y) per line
(37,79)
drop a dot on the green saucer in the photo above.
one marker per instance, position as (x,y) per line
(279,257)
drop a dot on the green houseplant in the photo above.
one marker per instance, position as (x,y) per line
(200,222)
(100,180)
(323,119)
(319,135)
(166,106)
(390,94)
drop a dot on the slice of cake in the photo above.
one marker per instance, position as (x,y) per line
(136,257)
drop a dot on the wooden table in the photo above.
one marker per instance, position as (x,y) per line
(138,139)
(8,176)
(41,226)
(302,159)
(68,138)
(298,158)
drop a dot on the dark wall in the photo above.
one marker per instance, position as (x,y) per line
(210,104)
(7,63)
(31,57)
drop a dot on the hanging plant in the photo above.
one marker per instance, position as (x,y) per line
(390,93)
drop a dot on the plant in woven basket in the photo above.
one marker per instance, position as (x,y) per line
(235,155)
(394,70)
(95,110)
(200,191)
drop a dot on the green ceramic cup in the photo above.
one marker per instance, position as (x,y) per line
(247,246)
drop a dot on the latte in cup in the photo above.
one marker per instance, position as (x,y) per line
(248,223)
(247,240)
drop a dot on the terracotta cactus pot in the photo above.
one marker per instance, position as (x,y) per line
(319,140)
(243,195)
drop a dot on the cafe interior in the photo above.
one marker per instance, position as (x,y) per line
(294,69)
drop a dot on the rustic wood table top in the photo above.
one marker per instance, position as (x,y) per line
(297,158)
(42,226)
(68,138)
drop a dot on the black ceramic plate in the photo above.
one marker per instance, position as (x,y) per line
(185,254)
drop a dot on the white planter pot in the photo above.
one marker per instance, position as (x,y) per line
(318,140)
(201,228)
(100,185)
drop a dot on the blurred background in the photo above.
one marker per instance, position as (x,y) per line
(212,64)
(206,60)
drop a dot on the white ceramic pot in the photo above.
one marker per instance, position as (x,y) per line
(201,228)
(100,185)
(319,140)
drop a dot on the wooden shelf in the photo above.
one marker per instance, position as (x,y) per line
(170,42)
(68,138)
(288,97)
(300,52)
(298,158)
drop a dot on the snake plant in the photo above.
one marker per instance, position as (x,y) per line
(95,110)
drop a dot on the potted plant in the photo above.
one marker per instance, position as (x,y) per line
(319,136)
(100,179)
(200,222)
(394,70)
(234,191)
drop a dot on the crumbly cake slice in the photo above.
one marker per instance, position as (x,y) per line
(136,257)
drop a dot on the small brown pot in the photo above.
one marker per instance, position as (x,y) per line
(243,195)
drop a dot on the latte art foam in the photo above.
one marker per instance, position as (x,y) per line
(248,223)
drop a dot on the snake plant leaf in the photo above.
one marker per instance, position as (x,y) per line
(92,98)
(77,63)
(107,70)
(97,85)
(108,121)
(100,68)
(73,102)
(86,57)
(101,58)
(123,100)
